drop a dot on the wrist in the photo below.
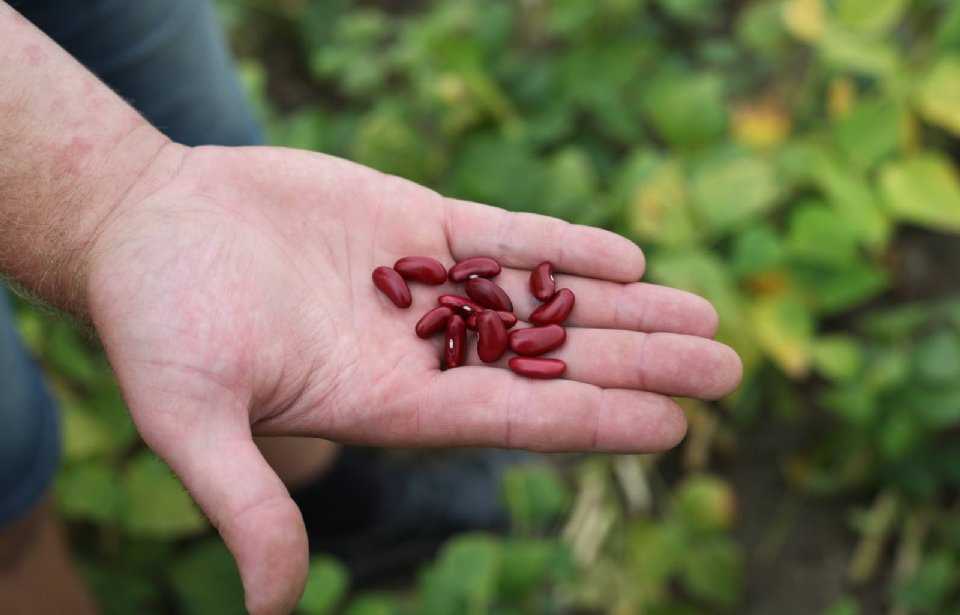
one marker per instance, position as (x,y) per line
(140,165)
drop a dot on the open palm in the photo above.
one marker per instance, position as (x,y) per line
(234,298)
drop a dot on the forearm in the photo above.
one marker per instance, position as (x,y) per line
(70,151)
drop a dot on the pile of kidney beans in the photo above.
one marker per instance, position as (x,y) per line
(487,309)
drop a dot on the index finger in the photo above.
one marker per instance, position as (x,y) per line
(524,240)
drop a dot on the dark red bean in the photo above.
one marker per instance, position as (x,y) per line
(492,342)
(536,367)
(433,321)
(556,310)
(509,320)
(392,285)
(421,269)
(459,304)
(542,283)
(478,266)
(455,342)
(536,341)
(488,294)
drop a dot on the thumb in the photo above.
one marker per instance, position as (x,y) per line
(210,447)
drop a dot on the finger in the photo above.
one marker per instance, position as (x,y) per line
(611,305)
(665,363)
(480,406)
(524,240)
(212,451)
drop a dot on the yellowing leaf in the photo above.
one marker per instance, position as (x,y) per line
(784,329)
(658,208)
(938,97)
(805,19)
(841,96)
(761,126)
(923,190)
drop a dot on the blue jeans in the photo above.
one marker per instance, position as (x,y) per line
(168,58)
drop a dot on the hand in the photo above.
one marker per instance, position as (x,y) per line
(232,293)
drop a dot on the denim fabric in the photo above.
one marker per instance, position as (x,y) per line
(169,60)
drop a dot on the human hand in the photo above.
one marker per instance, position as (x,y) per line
(232,292)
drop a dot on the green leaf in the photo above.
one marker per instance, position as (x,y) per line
(756,250)
(784,328)
(830,290)
(479,174)
(937,358)
(372,604)
(760,28)
(713,572)
(156,504)
(814,236)
(527,565)
(923,190)
(837,357)
(870,16)
(693,12)
(535,496)
(844,606)
(871,131)
(731,190)
(463,579)
(206,582)
(930,586)
(854,200)
(89,492)
(851,51)
(327,582)
(571,188)
(938,94)
(686,109)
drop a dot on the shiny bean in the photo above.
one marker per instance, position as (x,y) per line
(393,286)
(478,266)
(508,318)
(492,342)
(433,321)
(536,367)
(455,342)
(542,283)
(421,269)
(488,294)
(556,310)
(535,341)
(459,304)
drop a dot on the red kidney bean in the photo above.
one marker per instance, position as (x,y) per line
(478,266)
(556,310)
(488,294)
(535,341)
(542,283)
(392,285)
(421,269)
(493,336)
(459,304)
(536,367)
(455,342)
(509,320)
(433,321)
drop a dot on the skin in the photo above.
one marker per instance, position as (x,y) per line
(231,290)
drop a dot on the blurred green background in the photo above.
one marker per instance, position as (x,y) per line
(793,161)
